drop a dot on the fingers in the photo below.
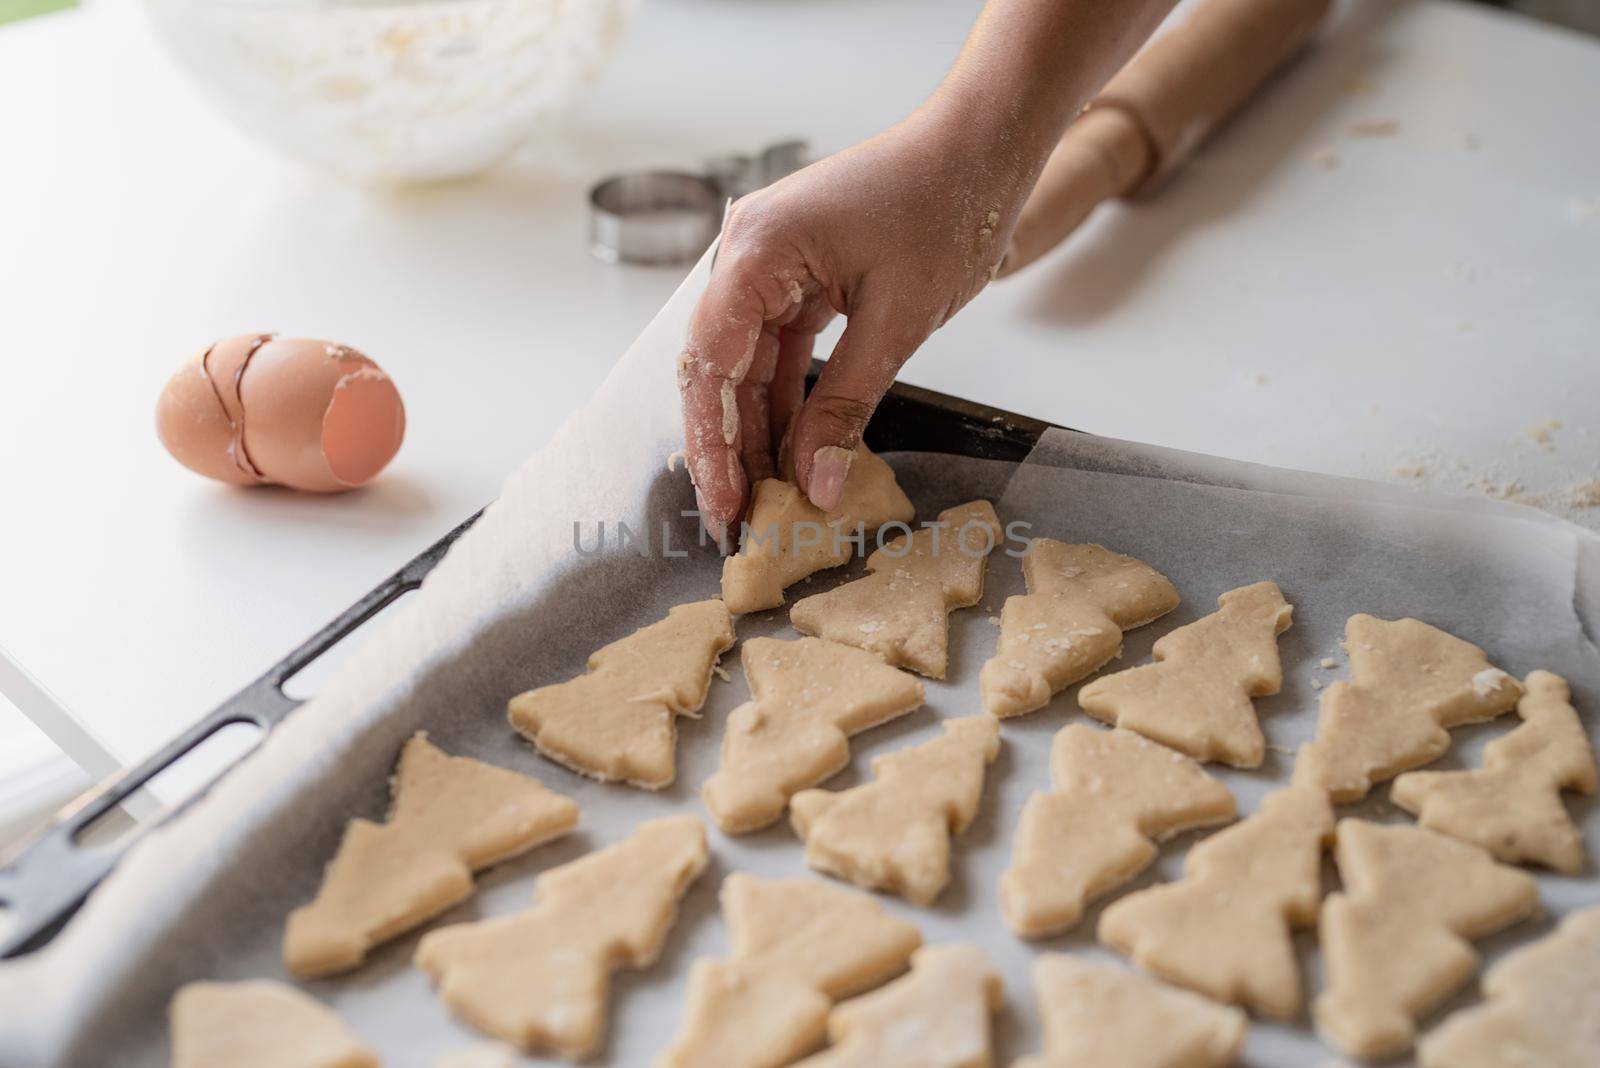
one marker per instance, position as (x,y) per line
(719,355)
(870,353)
(796,341)
(755,436)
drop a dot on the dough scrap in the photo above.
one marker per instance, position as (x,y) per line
(618,722)
(1116,795)
(894,833)
(451,816)
(1096,1015)
(1224,928)
(1408,683)
(938,1016)
(1396,943)
(810,696)
(901,610)
(1512,805)
(1542,1007)
(772,558)
(1195,698)
(798,945)
(1080,600)
(540,979)
(260,1024)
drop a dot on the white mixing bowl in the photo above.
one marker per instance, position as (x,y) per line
(392,91)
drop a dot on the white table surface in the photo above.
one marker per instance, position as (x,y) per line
(1299,296)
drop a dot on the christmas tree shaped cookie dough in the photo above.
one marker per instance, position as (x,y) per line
(1080,600)
(1512,806)
(451,816)
(1408,683)
(1224,929)
(787,537)
(1116,795)
(259,1024)
(894,833)
(938,1016)
(1196,696)
(540,979)
(1098,1015)
(810,696)
(1396,943)
(618,722)
(900,610)
(1542,1007)
(798,945)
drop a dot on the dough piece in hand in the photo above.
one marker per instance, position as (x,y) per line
(900,611)
(1098,1015)
(789,538)
(1080,599)
(259,1024)
(936,1017)
(1396,943)
(1224,929)
(1542,1007)
(1196,696)
(798,945)
(1408,683)
(618,722)
(894,833)
(541,979)
(810,696)
(1512,806)
(451,816)
(1116,795)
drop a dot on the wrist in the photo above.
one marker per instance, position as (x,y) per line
(1000,149)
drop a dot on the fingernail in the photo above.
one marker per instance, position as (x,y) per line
(714,526)
(829,467)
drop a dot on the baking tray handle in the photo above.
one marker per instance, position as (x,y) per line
(49,878)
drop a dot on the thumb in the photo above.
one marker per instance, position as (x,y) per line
(825,434)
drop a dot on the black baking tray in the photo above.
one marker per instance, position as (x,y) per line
(43,885)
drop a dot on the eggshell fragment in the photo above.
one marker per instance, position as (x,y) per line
(257,409)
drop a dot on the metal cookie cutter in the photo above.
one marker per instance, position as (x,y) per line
(667,217)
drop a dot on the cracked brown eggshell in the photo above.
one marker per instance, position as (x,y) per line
(258,409)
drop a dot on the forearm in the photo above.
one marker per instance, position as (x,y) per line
(1027,69)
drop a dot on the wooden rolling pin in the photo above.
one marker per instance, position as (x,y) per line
(1157,109)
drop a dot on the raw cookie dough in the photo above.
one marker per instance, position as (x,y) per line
(1080,599)
(1541,1007)
(495,1055)
(1396,943)
(894,833)
(1196,696)
(810,696)
(798,945)
(1098,1015)
(451,816)
(540,979)
(900,611)
(1408,682)
(618,722)
(1116,795)
(1224,929)
(936,1017)
(259,1024)
(776,555)
(1512,806)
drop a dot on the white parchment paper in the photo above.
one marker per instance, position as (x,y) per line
(513,606)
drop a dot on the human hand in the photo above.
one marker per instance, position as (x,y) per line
(897,234)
